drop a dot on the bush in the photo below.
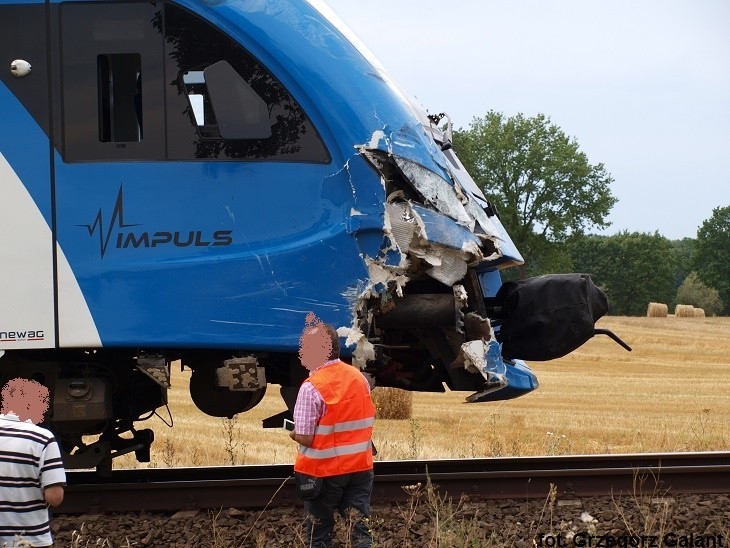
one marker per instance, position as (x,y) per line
(694,292)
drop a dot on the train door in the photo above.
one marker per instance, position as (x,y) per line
(182,161)
(27,308)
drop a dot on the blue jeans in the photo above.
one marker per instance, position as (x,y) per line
(340,493)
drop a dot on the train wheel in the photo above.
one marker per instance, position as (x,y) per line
(216,401)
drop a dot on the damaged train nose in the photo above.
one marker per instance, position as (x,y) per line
(422,322)
(435,313)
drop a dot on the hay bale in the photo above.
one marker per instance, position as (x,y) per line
(699,312)
(684,311)
(392,403)
(657,310)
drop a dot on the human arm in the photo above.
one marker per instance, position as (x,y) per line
(53,495)
(308,409)
(52,474)
(303,439)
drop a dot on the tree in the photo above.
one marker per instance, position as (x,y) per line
(633,269)
(712,254)
(683,251)
(694,292)
(544,186)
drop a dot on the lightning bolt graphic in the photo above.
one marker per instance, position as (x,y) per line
(117,221)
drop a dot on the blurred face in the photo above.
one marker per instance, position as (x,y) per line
(315,346)
(25,398)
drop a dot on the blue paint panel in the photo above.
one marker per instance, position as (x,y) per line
(150,288)
(520,381)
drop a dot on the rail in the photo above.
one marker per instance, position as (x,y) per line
(172,489)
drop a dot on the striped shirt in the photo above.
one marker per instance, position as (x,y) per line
(30,461)
(310,406)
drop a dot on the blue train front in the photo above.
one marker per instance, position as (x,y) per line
(187,180)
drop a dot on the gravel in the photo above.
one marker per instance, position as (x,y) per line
(621,521)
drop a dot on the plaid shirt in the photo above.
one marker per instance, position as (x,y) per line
(310,406)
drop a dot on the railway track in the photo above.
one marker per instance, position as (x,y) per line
(173,489)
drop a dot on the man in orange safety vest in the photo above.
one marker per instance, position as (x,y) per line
(333,424)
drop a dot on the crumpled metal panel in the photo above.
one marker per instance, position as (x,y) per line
(403,225)
(449,267)
(436,191)
(440,230)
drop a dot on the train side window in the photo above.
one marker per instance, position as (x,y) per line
(154,81)
(112,81)
(222,104)
(119,79)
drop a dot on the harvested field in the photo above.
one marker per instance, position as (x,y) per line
(669,394)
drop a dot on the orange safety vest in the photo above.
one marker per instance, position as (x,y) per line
(342,442)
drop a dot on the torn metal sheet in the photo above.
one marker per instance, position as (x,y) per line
(447,265)
(403,225)
(440,238)
(454,215)
(364,349)
(439,229)
(447,247)
(437,191)
(383,275)
(483,356)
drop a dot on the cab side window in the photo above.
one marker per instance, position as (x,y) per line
(223,104)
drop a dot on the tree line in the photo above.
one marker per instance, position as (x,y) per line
(550,197)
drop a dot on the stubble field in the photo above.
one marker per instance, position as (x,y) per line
(670,394)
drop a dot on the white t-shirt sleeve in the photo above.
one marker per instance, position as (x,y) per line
(51,466)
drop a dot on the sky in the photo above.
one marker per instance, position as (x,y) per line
(642,85)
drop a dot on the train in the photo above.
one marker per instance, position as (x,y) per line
(184,181)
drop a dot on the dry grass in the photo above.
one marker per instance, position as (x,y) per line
(669,394)
(392,403)
(699,312)
(657,310)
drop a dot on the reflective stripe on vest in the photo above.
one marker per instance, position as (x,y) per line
(335,451)
(345,426)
